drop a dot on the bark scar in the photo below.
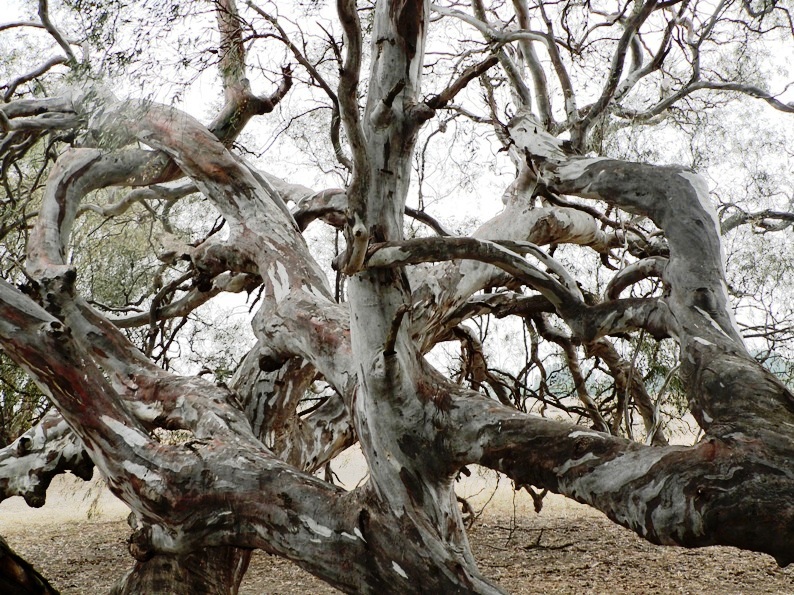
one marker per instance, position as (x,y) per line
(391,339)
(408,19)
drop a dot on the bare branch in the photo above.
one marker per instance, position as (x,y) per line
(542,98)
(760,218)
(427,220)
(442,99)
(348,95)
(637,271)
(224,282)
(616,69)
(571,110)
(318,78)
(29,76)
(356,232)
(44,15)
(241,103)
(628,384)
(393,254)
(139,195)
(22,108)
(12,25)
(572,360)
(330,205)
(46,121)
(514,74)
(699,85)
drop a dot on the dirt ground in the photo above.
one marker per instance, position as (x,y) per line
(567,548)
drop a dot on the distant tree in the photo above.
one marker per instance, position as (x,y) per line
(22,404)
(605,273)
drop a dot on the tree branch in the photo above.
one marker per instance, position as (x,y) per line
(28,464)
(442,99)
(318,79)
(669,495)
(616,69)
(44,15)
(572,360)
(758,218)
(395,254)
(29,76)
(633,273)
(542,98)
(14,24)
(241,103)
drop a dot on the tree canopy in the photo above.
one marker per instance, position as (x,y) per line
(525,235)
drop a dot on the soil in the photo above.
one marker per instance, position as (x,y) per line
(567,548)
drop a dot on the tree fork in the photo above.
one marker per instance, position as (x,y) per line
(394,408)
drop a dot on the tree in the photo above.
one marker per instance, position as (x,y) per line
(556,86)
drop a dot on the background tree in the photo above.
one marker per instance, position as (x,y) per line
(124,217)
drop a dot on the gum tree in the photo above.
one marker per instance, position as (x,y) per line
(554,86)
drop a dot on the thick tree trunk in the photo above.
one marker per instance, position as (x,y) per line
(394,410)
(210,571)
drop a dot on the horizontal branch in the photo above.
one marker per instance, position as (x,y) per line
(330,205)
(139,195)
(47,121)
(621,316)
(395,254)
(669,495)
(504,304)
(633,273)
(760,218)
(14,24)
(225,282)
(22,108)
(697,85)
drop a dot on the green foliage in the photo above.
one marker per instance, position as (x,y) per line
(21,402)
(113,259)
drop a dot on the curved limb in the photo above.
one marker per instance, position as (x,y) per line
(28,465)
(666,494)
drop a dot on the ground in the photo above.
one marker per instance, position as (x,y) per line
(567,548)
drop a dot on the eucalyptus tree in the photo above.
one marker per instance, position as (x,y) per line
(556,91)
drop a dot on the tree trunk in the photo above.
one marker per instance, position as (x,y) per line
(394,405)
(210,571)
